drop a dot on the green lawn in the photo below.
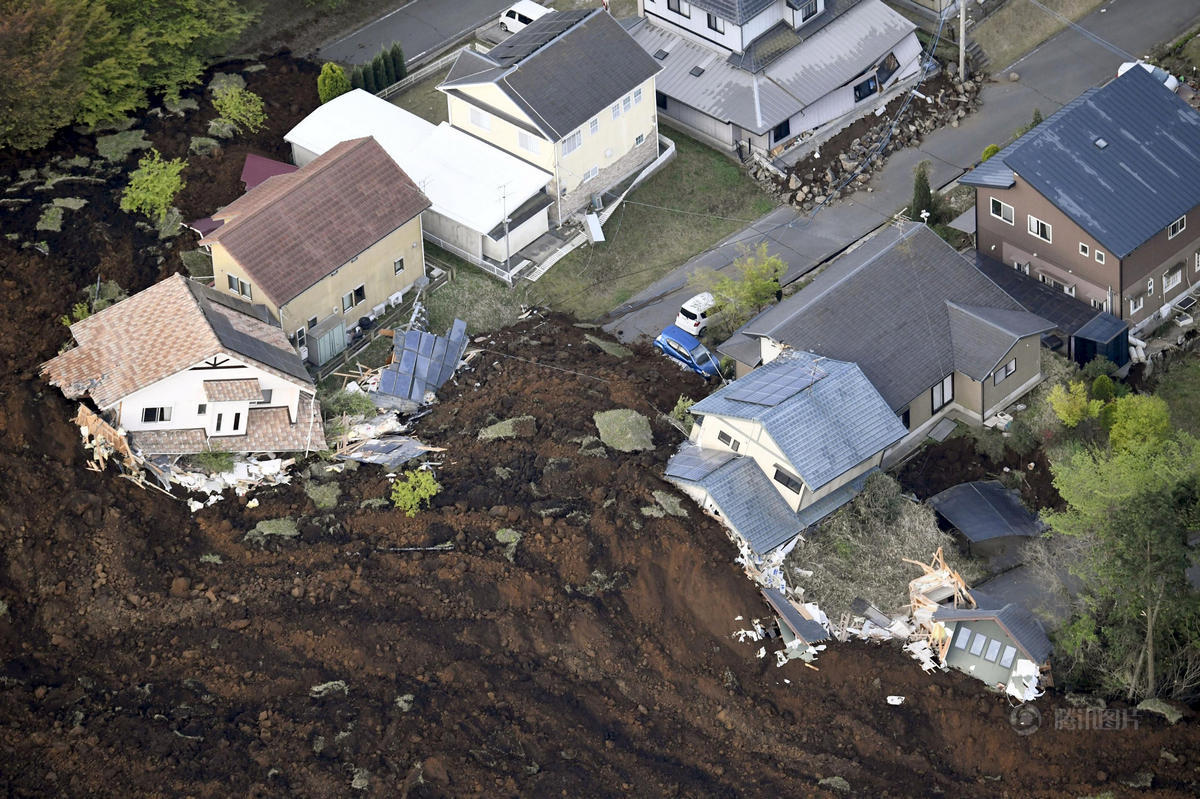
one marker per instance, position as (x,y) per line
(1180,387)
(710,197)
(424,100)
(1019,26)
(482,301)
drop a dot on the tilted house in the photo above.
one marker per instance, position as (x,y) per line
(775,451)
(1101,200)
(752,75)
(485,205)
(571,93)
(1000,647)
(929,330)
(186,369)
(324,246)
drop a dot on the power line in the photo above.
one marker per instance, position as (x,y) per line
(1085,32)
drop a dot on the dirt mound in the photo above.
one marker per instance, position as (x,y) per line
(145,651)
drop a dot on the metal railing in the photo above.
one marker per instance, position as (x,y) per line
(471,258)
(433,67)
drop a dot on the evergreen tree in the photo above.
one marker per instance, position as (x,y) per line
(380,74)
(397,58)
(922,196)
(356,78)
(332,82)
(368,78)
(389,71)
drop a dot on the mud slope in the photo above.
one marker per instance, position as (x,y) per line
(149,652)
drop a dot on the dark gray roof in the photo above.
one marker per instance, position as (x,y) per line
(561,70)
(286,360)
(1067,313)
(1026,632)
(806,630)
(775,42)
(985,509)
(1103,327)
(1145,177)
(751,505)
(828,423)
(886,306)
(736,11)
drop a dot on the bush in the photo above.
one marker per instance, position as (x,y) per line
(1103,389)
(348,403)
(1099,366)
(396,55)
(153,186)
(213,462)
(989,151)
(79,312)
(680,413)
(242,108)
(332,82)
(416,487)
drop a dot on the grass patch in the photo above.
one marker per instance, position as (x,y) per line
(424,100)
(717,198)
(483,302)
(1020,26)
(1180,388)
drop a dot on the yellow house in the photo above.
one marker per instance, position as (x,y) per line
(324,246)
(572,94)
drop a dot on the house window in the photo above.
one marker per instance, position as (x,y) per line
(1083,250)
(641,137)
(889,67)
(729,441)
(238,286)
(865,89)
(397,266)
(808,10)
(616,110)
(906,418)
(1003,372)
(977,644)
(715,23)
(156,414)
(679,7)
(301,338)
(943,393)
(1021,267)
(1039,228)
(237,421)
(530,143)
(591,173)
(1173,278)
(788,480)
(481,119)
(202,409)
(1176,227)
(312,323)
(1098,304)
(1150,287)
(217,426)
(1196,268)
(1069,290)
(1006,660)
(352,298)
(660,100)
(1002,211)
(627,103)
(637,95)
(1136,303)
(961,639)
(782,131)
(1099,256)
(572,142)
(267,393)
(594,126)
(993,651)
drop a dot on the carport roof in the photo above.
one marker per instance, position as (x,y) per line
(984,510)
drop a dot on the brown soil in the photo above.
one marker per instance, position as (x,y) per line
(937,467)
(598,662)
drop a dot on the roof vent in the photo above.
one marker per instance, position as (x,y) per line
(661,54)
(1101,144)
(696,72)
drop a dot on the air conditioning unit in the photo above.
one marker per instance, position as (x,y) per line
(304,353)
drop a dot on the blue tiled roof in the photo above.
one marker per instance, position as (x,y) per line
(1145,176)
(823,430)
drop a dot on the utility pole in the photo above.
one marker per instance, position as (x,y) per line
(962,39)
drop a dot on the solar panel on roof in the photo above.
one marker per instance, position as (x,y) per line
(694,464)
(776,388)
(407,359)
(426,345)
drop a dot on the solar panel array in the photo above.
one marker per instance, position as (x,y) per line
(422,362)
(772,389)
(693,464)
(534,37)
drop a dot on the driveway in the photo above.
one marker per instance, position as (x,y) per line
(1049,76)
(421,26)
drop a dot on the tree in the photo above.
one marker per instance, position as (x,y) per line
(379,73)
(356,78)
(153,186)
(1103,388)
(1071,404)
(396,54)
(923,199)
(332,82)
(389,70)
(753,286)
(989,151)
(1139,420)
(414,489)
(241,107)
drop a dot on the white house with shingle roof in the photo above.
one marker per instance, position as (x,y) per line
(183,369)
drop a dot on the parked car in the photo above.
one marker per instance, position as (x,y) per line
(521,14)
(687,349)
(693,314)
(1160,74)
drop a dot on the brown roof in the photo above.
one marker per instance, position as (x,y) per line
(292,230)
(171,326)
(232,390)
(267,430)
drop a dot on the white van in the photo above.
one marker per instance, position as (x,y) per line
(693,314)
(521,14)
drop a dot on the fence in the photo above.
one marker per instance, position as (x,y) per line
(432,68)
(491,269)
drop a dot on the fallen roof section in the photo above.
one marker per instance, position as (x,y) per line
(807,630)
(984,509)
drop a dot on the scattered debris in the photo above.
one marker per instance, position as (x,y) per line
(404,702)
(389,451)
(326,688)
(510,538)
(895,700)
(420,364)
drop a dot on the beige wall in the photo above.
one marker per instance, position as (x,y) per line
(499,132)
(1027,354)
(371,269)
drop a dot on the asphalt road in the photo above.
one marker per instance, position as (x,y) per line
(1050,76)
(421,27)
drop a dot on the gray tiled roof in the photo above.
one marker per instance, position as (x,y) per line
(692,463)
(1147,175)
(561,70)
(807,630)
(243,338)
(823,430)
(735,11)
(1067,313)
(1020,624)
(884,306)
(985,509)
(751,505)
(982,336)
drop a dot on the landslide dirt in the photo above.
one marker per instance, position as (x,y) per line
(598,661)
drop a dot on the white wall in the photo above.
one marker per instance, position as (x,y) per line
(183,392)
(753,28)
(697,24)
(518,237)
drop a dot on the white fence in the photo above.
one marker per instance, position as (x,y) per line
(432,68)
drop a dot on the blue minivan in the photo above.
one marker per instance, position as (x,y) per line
(687,349)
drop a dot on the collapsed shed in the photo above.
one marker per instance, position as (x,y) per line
(421,363)
(990,517)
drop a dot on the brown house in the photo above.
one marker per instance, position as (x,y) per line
(323,246)
(1101,200)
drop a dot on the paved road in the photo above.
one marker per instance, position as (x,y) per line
(421,27)
(1049,77)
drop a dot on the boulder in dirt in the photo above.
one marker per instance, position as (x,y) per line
(519,427)
(510,538)
(118,146)
(611,347)
(203,145)
(51,219)
(180,105)
(1162,708)
(835,783)
(624,430)
(328,688)
(73,203)
(224,80)
(323,495)
(670,503)
(222,128)
(281,528)
(198,263)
